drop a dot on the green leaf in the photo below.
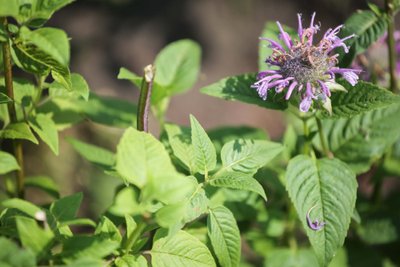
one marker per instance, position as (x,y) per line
(180,140)
(140,156)
(8,8)
(78,221)
(93,247)
(12,256)
(125,74)
(225,236)
(4,99)
(362,139)
(204,154)
(7,163)
(222,135)
(44,126)
(37,12)
(330,186)
(368,28)
(178,65)
(22,205)
(247,156)
(270,31)
(79,88)
(19,130)
(131,261)
(109,111)
(179,250)
(125,202)
(283,257)
(65,209)
(34,237)
(237,180)
(94,154)
(197,205)
(239,88)
(52,41)
(86,262)
(43,183)
(362,97)
(377,231)
(108,229)
(171,216)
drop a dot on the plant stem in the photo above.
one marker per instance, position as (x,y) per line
(17,145)
(145,98)
(306,130)
(134,237)
(389,6)
(322,139)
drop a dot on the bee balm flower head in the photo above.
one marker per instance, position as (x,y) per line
(304,67)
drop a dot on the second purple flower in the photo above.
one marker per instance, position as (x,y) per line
(305,68)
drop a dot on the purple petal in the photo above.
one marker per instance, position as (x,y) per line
(305,104)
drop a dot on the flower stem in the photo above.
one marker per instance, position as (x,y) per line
(322,139)
(389,6)
(17,145)
(145,98)
(306,130)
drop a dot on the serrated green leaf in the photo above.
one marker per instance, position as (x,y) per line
(52,41)
(94,154)
(32,236)
(180,140)
(239,88)
(330,186)
(225,236)
(182,249)
(247,156)
(13,256)
(362,139)
(94,247)
(270,31)
(140,156)
(7,163)
(197,205)
(108,229)
(44,126)
(368,27)
(362,97)
(66,208)
(204,154)
(237,180)
(21,205)
(4,99)
(178,65)
(19,130)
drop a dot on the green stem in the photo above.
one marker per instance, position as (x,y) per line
(389,5)
(17,145)
(134,237)
(322,139)
(145,98)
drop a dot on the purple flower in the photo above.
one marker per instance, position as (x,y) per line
(305,68)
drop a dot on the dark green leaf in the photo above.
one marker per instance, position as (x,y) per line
(108,229)
(7,163)
(43,183)
(225,236)
(330,187)
(94,154)
(368,27)
(239,88)
(94,247)
(65,209)
(204,154)
(19,130)
(362,97)
(44,126)
(182,249)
